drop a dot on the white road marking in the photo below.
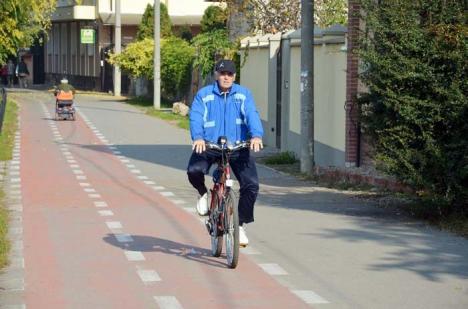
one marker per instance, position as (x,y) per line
(148,276)
(178,202)
(67,153)
(15,180)
(14,162)
(135,171)
(117,152)
(104,140)
(149,182)
(100,204)
(273,269)
(14,167)
(71,161)
(134,255)
(310,297)
(122,237)
(124,160)
(89,190)
(166,193)
(94,195)
(167,302)
(142,177)
(158,188)
(84,184)
(114,224)
(74,166)
(77,172)
(14,173)
(105,213)
(112,147)
(190,209)
(130,165)
(81,177)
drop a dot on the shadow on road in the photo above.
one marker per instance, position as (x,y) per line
(428,253)
(154,244)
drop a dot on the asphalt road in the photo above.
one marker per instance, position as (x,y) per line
(310,246)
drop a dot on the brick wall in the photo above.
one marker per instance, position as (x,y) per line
(352,152)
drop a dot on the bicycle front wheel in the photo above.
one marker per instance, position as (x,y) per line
(231,225)
(216,235)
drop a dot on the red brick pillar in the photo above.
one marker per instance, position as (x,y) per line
(352,110)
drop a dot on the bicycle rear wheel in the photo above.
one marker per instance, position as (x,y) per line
(231,225)
(216,235)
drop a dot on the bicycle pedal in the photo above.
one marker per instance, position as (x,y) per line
(208,226)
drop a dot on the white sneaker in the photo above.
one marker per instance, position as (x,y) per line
(243,240)
(202,205)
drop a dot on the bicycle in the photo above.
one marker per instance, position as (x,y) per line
(223,216)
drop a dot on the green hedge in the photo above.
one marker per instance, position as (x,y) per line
(414,56)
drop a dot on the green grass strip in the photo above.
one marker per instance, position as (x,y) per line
(6,146)
(167,115)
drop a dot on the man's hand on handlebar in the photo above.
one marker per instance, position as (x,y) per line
(199,146)
(256,144)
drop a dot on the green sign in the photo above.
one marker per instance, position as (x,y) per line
(87,36)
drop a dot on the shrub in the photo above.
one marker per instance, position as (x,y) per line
(176,63)
(136,58)
(176,66)
(286,157)
(414,65)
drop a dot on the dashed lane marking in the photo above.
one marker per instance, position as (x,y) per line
(105,213)
(310,297)
(167,302)
(100,204)
(134,256)
(114,224)
(273,269)
(123,237)
(166,194)
(148,276)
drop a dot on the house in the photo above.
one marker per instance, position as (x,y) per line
(82,34)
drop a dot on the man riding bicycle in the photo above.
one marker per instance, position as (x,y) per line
(226,109)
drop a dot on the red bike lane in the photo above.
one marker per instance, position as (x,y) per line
(96,236)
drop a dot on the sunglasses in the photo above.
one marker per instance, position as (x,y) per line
(226,73)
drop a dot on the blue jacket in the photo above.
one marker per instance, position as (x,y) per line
(234,115)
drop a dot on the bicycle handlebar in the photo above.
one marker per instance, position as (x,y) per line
(228,147)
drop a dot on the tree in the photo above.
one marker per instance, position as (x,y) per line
(213,18)
(210,46)
(271,16)
(146,27)
(330,12)
(414,65)
(21,22)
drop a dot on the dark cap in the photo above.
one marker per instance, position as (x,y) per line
(226,66)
